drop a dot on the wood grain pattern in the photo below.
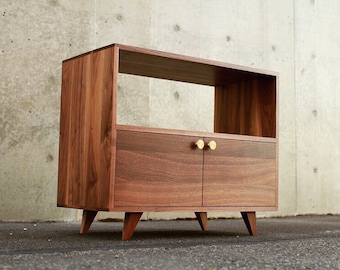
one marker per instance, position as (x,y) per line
(195,133)
(86,131)
(65,116)
(156,64)
(157,170)
(101,122)
(70,184)
(104,166)
(240,173)
(246,107)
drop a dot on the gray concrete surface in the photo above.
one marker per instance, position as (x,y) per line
(298,39)
(304,242)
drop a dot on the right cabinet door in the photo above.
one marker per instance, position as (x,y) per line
(240,173)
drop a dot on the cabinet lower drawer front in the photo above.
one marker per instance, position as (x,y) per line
(240,173)
(157,170)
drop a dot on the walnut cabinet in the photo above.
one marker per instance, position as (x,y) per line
(106,166)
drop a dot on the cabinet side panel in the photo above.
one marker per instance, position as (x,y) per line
(101,134)
(73,132)
(85,114)
(247,107)
(86,136)
(64,144)
(76,132)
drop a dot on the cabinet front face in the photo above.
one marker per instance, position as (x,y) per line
(157,170)
(240,173)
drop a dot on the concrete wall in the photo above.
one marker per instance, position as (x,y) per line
(299,39)
(317,90)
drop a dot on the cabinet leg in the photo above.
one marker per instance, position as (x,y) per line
(87,219)
(250,221)
(202,219)
(130,223)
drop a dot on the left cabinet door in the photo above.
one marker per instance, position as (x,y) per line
(157,170)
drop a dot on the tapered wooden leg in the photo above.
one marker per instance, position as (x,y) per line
(250,221)
(202,219)
(88,217)
(130,223)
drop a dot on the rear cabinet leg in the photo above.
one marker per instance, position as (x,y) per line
(250,221)
(130,222)
(87,219)
(202,219)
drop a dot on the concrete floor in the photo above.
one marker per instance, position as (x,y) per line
(304,242)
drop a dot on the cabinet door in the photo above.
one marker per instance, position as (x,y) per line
(157,170)
(240,173)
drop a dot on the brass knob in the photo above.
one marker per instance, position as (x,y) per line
(212,145)
(199,144)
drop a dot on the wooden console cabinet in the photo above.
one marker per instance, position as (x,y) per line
(105,166)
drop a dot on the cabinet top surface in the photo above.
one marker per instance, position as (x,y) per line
(170,66)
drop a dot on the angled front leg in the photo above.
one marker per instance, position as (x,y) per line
(86,221)
(250,221)
(130,222)
(202,219)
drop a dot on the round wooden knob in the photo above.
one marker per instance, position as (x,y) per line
(212,145)
(200,144)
